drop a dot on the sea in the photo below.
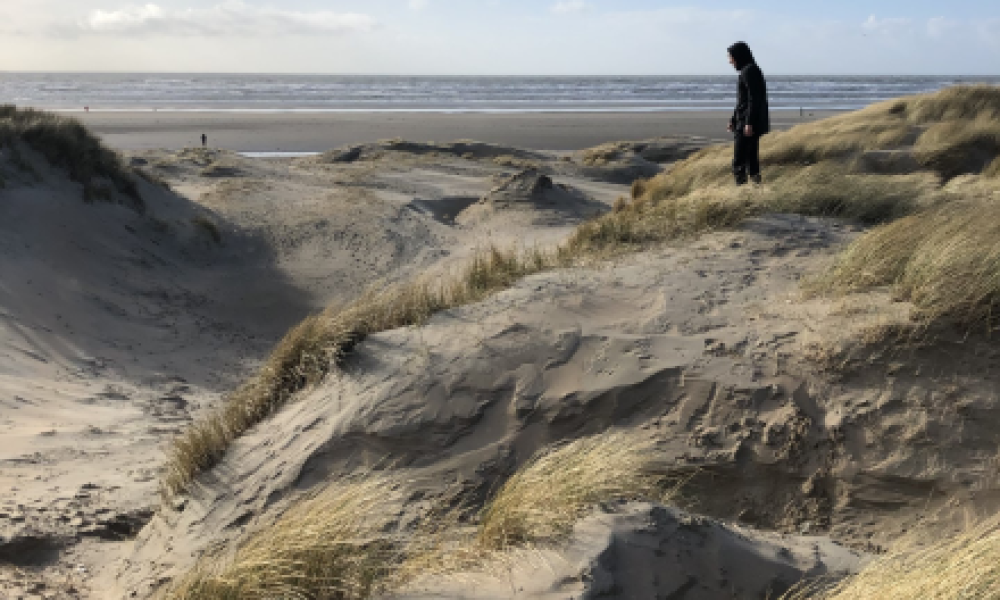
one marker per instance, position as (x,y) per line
(334,93)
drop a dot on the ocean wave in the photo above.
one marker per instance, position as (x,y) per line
(444,94)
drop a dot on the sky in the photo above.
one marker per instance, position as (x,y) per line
(500,37)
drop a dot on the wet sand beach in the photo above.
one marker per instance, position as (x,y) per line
(317,132)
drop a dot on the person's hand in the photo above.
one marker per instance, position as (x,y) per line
(729,127)
(748,131)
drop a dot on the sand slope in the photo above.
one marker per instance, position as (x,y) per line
(116,326)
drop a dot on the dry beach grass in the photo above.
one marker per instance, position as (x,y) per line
(942,256)
(66,143)
(543,501)
(946,261)
(965,567)
(341,543)
(817,169)
(329,546)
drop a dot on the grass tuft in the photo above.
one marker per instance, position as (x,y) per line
(964,567)
(543,501)
(639,187)
(331,546)
(539,505)
(67,144)
(970,102)
(945,260)
(954,148)
(345,543)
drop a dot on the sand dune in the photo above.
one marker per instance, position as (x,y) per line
(119,325)
(687,344)
(476,391)
(809,433)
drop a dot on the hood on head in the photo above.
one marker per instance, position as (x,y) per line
(741,54)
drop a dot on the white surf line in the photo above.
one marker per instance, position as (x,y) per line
(278,154)
(453,111)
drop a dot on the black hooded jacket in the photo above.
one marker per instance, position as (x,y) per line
(752,107)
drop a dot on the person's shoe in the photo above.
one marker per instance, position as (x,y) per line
(756,178)
(741,178)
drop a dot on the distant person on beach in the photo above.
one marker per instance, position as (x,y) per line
(751,119)
(204,140)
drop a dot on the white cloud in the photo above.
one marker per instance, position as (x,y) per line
(887,26)
(939,27)
(418,4)
(565,7)
(495,37)
(233,17)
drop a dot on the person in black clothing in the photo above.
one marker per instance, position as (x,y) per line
(751,119)
(204,140)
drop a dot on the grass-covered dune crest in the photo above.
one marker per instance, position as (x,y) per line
(873,165)
(66,143)
(923,169)
(945,260)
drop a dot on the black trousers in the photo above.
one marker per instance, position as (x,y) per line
(746,157)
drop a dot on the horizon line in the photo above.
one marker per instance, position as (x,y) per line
(498,76)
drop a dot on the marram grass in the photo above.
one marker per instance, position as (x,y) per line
(543,501)
(330,547)
(344,544)
(66,143)
(965,567)
(946,261)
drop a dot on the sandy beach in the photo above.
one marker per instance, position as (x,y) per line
(318,132)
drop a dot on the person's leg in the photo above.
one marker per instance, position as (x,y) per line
(739,158)
(752,155)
